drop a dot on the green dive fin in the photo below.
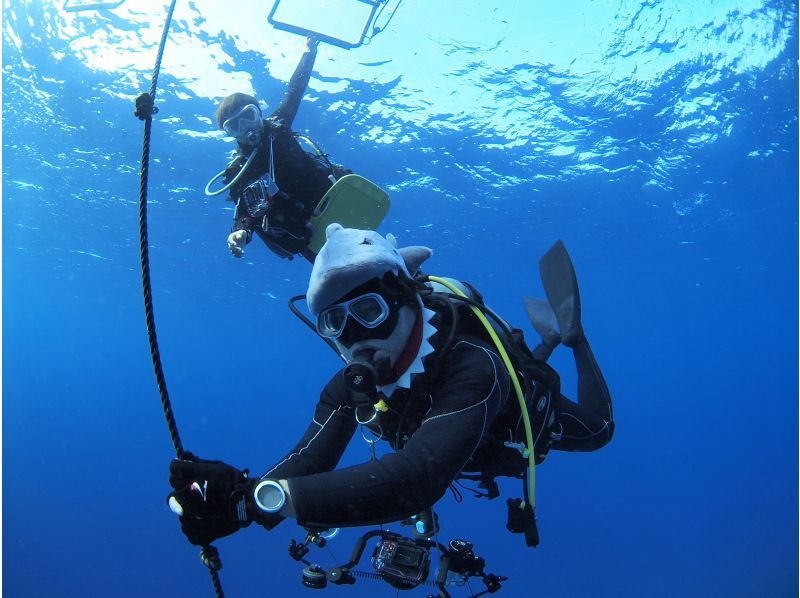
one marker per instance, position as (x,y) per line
(353,202)
(561,286)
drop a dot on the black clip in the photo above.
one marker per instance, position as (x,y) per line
(522,520)
(490,485)
(298,550)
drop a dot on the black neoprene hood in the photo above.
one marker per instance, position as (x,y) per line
(232,104)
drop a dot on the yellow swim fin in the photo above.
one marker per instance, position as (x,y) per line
(353,202)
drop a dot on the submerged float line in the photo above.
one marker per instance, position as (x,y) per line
(145,109)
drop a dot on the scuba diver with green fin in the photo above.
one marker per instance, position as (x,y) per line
(279,187)
(457,396)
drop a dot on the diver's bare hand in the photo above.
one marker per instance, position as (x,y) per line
(236,242)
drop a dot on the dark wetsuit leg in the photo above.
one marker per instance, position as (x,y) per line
(588,424)
(592,388)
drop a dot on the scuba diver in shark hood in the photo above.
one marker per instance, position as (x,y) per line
(428,375)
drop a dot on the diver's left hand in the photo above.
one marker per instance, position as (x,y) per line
(312,43)
(210,497)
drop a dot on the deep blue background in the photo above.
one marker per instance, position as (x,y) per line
(690,301)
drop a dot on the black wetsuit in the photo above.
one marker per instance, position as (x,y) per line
(453,420)
(301,178)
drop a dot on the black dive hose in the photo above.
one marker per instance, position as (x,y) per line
(145,108)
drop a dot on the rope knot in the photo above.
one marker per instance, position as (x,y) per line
(145,107)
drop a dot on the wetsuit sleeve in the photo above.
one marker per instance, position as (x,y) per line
(242,221)
(326,438)
(297,87)
(472,388)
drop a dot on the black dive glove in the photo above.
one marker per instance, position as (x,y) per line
(213,499)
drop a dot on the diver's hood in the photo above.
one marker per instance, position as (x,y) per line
(351,257)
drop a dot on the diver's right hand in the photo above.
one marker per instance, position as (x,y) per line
(211,498)
(236,242)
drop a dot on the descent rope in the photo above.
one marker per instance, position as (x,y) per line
(145,109)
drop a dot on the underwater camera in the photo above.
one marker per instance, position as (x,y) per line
(401,562)
(404,563)
(257,195)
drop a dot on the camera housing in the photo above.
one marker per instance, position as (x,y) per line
(401,562)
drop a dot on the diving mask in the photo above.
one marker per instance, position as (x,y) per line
(369,310)
(246,125)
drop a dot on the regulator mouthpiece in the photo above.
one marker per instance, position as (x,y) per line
(362,376)
(253,138)
(368,370)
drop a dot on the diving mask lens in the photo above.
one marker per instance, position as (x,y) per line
(369,310)
(245,125)
(330,322)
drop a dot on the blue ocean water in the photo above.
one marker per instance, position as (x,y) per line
(657,138)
